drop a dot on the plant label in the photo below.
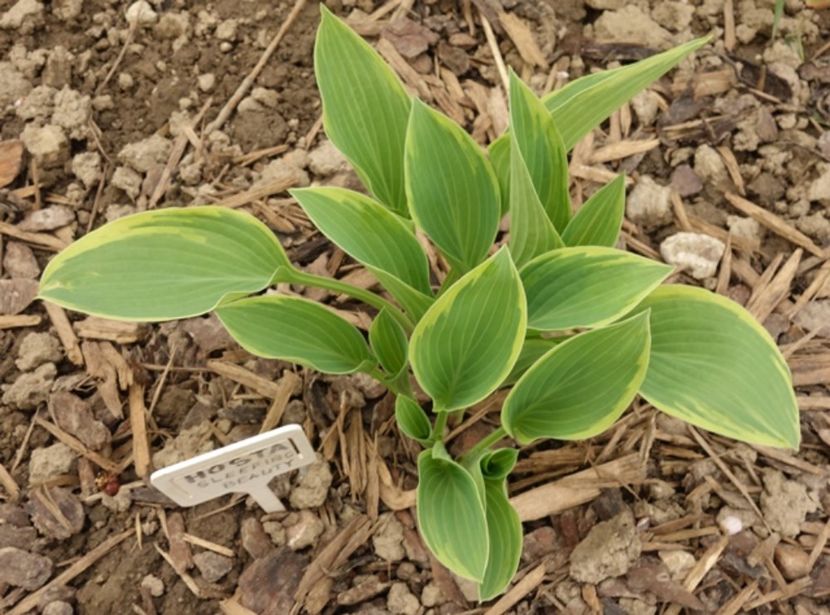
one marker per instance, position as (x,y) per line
(242,467)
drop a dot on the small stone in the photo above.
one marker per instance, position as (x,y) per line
(58,607)
(432,595)
(646,106)
(275,531)
(125,81)
(47,219)
(153,584)
(607,551)
(767,189)
(32,388)
(47,144)
(268,584)
(735,520)
(37,349)
(16,295)
(401,601)
(649,203)
(678,562)
(38,104)
(74,416)
(146,154)
(67,10)
(673,15)
(746,228)
(785,503)
(188,443)
(173,25)
(694,252)
(73,111)
(140,13)
(630,24)
(24,16)
(814,315)
(250,105)
(207,82)
(19,261)
(305,532)
(815,225)
(325,160)
(253,538)
(538,543)
(23,569)
(266,97)
(709,166)
(820,187)
(226,31)
(63,526)
(103,103)
(127,180)
(212,565)
(388,539)
(793,562)
(87,167)
(685,181)
(50,461)
(313,484)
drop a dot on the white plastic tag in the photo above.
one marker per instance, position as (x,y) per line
(242,467)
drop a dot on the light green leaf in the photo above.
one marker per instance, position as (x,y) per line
(365,108)
(452,189)
(578,389)
(497,464)
(412,420)
(599,220)
(504,530)
(531,232)
(532,350)
(164,264)
(467,342)
(533,131)
(586,286)
(714,366)
(414,302)
(368,232)
(296,330)
(451,516)
(583,104)
(389,343)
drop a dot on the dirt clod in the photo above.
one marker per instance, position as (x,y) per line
(696,253)
(212,566)
(785,503)
(312,485)
(23,569)
(607,551)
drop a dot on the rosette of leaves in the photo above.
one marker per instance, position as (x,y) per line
(573,326)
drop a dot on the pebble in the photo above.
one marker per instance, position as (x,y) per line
(269,583)
(649,204)
(325,160)
(312,486)
(87,167)
(16,295)
(793,562)
(188,443)
(58,607)
(67,10)
(212,565)
(36,349)
(140,13)
(678,563)
(685,181)
(46,462)
(746,228)
(226,31)
(401,601)
(207,82)
(153,584)
(254,539)
(815,315)
(305,532)
(31,388)
(47,144)
(607,551)
(74,416)
(47,219)
(432,595)
(709,165)
(23,569)
(820,187)
(72,514)
(696,253)
(125,81)
(388,539)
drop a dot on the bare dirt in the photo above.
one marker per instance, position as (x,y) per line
(95,99)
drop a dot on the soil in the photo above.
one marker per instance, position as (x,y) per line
(100,93)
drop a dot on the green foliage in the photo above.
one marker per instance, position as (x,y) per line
(573,328)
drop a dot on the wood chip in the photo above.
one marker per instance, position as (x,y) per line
(18,320)
(622,149)
(247,378)
(9,484)
(65,332)
(774,223)
(287,385)
(210,546)
(765,299)
(523,38)
(736,604)
(411,78)
(116,331)
(526,584)
(281,184)
(42,240)
(578,488)
(78,446)
(11,161)
(138,426)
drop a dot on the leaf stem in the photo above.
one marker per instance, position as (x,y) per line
(485,443)
(440,425)
(295,276)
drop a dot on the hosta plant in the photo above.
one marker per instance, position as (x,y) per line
(574,327)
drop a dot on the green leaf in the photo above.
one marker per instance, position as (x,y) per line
(578,389)
(532,350)
(586,286)
(365,108)
(452,189)
(496,465)
(368,232)
(468,341)
(599,220)
(536,136)
(413,301)
(296,330)
(714,366)
(504,530)
(412,420)
(583,104)
(389,343)
(531,232)
(164,264)
(451,515)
